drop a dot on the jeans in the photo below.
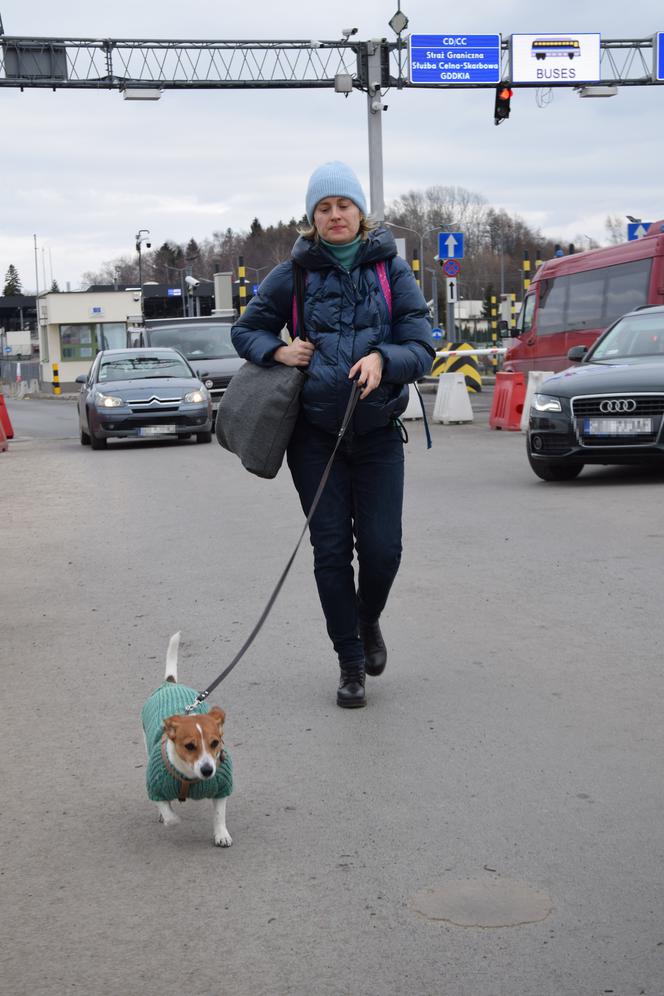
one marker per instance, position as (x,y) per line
(361,505)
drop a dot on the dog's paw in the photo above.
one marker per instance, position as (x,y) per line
(169,821)
(223,839)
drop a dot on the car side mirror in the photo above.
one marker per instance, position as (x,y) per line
(82,379)
(503,328)
(576,353)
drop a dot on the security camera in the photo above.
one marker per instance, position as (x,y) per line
(192,281)
(148,245)
(347,32)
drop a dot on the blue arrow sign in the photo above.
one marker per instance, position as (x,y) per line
(450,245)
(658,51)
(455,58)
(637,229)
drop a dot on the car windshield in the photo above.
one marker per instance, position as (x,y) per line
(197,342)
(633,336)
(127,366)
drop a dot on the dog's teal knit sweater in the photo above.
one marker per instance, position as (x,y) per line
(171,699)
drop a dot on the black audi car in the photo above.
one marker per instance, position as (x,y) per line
(609,407)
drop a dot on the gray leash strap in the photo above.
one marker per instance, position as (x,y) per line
(348,414)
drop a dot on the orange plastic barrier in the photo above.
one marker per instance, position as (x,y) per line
(508,398)
(4,418)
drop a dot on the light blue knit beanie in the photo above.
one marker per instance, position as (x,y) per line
(334,179)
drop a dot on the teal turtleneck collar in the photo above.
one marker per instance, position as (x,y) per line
(344,254)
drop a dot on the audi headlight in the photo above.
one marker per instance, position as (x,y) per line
(108,401)
(545,403)
(197,397)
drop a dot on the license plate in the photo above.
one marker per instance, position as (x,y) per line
(616,426)
(156,430)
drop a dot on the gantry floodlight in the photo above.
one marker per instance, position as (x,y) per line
(141,93)
(597,91)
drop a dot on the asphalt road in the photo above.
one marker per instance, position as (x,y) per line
(506,770)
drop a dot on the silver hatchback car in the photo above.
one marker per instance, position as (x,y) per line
(142,393)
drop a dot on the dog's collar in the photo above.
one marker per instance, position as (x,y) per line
(184,780)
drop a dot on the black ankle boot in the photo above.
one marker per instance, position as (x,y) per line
(375,651)
(350,694)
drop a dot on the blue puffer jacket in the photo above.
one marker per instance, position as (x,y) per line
(346,316)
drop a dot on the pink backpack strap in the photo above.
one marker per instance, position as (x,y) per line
(294,317)
(381,270)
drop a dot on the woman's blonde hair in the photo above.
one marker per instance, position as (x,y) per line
(367,224)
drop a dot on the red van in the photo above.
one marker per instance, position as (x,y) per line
(572,299)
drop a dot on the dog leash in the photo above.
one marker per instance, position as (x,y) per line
(350,408)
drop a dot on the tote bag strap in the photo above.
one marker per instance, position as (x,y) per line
(299,284)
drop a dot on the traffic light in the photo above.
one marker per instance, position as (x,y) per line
(503,97)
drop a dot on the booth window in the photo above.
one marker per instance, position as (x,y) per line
(78,342)
(83,342)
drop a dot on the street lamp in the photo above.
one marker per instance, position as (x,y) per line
(421,236)
(257,270)
(142,237)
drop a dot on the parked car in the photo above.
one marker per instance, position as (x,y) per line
(205,344)
(609,409)
(142,393)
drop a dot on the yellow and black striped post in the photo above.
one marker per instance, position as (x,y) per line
(512,311)
(494,330)
(56,379)
(538,259)
(467,365)
(416,268)
(526,271)
(242,277)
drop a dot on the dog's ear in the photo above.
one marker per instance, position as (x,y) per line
(218,714)
(171,726)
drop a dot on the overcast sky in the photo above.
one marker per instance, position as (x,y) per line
(84,170)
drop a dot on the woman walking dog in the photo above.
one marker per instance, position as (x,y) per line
(365,320)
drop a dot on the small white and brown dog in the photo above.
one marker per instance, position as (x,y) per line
(186,756)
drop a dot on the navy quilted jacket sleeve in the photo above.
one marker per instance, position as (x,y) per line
(256,334)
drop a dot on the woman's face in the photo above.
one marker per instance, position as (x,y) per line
(337,220)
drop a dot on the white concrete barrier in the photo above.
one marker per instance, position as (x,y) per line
(414,408)
(535,378)
(452,403)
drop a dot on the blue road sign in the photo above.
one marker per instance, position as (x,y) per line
(454,58)
(174,292)
(658,50)
(450,245)
(637,229)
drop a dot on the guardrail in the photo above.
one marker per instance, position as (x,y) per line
(17,375)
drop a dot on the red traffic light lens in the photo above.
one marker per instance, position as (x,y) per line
(505,93)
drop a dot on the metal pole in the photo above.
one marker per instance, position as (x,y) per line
(434,294)
(183,291)
(43,351)
(375,129)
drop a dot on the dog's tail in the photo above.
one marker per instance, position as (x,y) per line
(172,658)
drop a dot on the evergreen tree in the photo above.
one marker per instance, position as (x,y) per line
(12,282)
(192,251)
(54,287)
